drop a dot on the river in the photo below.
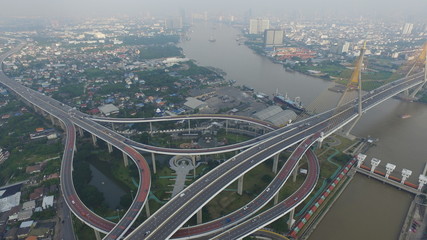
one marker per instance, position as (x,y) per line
(366,209)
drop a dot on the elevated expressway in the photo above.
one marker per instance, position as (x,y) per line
(68,119)
(178,210)
(167,220)
(281,209)
(186,117)
(221,224)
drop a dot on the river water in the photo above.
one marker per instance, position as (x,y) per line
(112,192)
(366,209)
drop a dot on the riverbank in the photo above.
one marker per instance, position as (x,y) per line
(382,123)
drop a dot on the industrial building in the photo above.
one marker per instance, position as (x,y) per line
(194,103)
(108,109)
(276,115)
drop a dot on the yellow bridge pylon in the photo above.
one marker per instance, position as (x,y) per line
(355,81)
(420,61)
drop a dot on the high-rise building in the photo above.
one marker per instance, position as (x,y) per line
(258,26)
(344,47)
(407,29)
(174,23)
(273,38)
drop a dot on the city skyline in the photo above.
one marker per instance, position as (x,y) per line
(406,11)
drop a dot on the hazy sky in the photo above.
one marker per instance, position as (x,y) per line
(70,8)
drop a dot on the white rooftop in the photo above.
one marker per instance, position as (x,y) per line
(26,224)
(47,202)
(107,109)
(29,205)
(9,202)
(194,103)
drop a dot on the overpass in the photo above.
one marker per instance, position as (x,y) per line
(179,209)
(167,220)
(284,207)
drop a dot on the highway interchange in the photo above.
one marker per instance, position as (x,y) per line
(69,118)
(167,220)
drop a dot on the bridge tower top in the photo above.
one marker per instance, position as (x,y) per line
(423,54)
(421,59)
(356,75)
(355,82)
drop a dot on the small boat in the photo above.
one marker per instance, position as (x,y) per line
(212,39)
(404,116)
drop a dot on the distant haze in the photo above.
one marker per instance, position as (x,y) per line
(400,9)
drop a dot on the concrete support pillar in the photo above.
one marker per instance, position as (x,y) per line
(353,124)
(35,108)
(415,92)
(94,140)
(113,126)
(193,160)
(97,235)
(81,133)
(421,85)
(276,198)
(240,185)
(406,92)
(226,126)
(291,220)
(62,125)
(320,141)
(110,147)
(125,159)
(199,217)
(52,119)
(151,129)
(295,173)
(153,162)
(275,163)
(147,209)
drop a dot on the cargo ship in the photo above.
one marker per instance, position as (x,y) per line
(285,101)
